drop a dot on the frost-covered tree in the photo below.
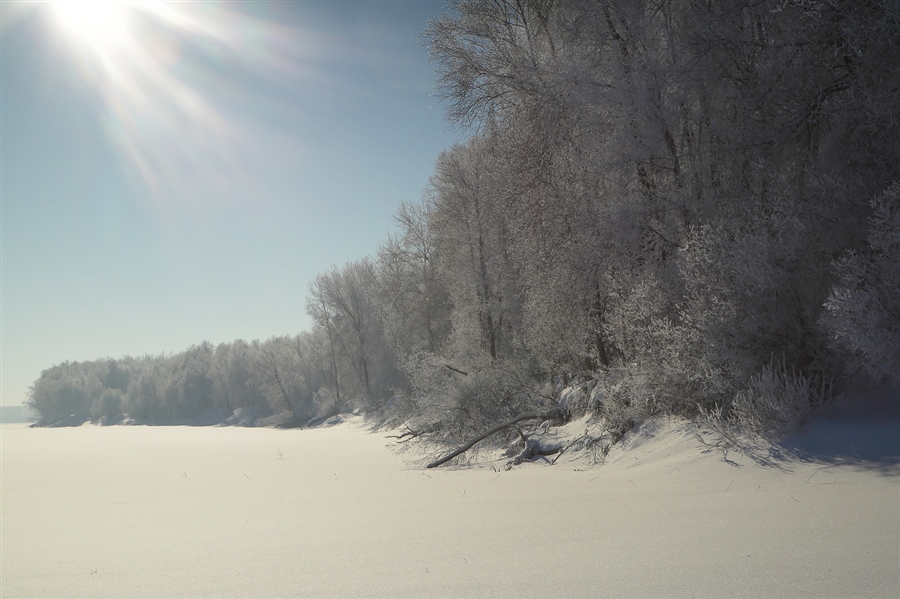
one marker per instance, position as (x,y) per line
(342,303)
(61,393)
(279,365)
(233,374)
(862,316)
(676,177)
(470,231)
(413,301)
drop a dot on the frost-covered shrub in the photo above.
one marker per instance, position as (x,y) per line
(862,312)
(395,411)
(635,303)
(579,398)
(325,402)
(745,298)
(779,398)
(465,403)
(631,395)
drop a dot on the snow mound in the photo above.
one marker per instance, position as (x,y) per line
(329,421)
(242,417)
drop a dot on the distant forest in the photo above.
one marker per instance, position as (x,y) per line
(669,206)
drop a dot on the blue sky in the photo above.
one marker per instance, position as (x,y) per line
(179,176)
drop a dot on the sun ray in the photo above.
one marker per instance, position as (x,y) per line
(159,71)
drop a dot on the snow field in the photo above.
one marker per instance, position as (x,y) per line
(248,512)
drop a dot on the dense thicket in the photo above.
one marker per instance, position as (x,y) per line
(688,203)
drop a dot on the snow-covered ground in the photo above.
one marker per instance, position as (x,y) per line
(243,512)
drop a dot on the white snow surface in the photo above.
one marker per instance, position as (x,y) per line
(249,512)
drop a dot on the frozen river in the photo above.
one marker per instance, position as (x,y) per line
(248,512)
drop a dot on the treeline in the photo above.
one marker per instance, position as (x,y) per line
(284,381)
(686,206)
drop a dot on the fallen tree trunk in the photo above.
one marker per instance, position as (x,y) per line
(535,447)
(548,415)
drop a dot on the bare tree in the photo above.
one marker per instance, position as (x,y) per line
(413,302)
(343,303)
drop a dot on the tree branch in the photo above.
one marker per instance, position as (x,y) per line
(457,370)
(548,415)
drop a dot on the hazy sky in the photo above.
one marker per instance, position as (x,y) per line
(174,173)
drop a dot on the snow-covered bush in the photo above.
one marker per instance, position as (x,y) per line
(461,404)
(326,402)
(746,297)
(862,312)
(694,330)
(779,398)
(579,398)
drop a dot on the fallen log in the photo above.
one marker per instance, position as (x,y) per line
(535,447)
(548,415)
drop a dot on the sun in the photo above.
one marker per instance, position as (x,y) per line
(154,71)
(101,25)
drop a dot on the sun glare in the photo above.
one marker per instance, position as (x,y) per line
(100,24)
(158,71)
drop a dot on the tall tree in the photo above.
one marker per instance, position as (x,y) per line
(413,302)
(470,230)
(342,302)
